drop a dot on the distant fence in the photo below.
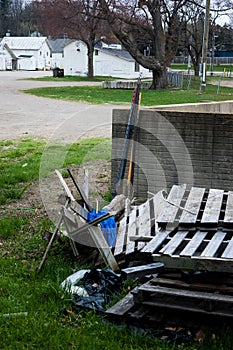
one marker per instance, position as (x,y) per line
(217,60)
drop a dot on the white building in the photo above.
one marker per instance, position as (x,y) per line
(33,53)
(112,60)
(8,61)
(57,49)
(75,58)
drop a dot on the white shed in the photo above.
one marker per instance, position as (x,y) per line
(112,60)
(8,61)
(33,53)
(57,49)
(75,58)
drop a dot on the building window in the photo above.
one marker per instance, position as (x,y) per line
(40,53)
(96,52)
(137,68)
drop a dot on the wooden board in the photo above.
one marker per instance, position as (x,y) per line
(213,206)
(194,244)
(192,206)
(228,252)
(195,263)
(122,231)
(174,243)
(214,244)
(168,215)
(156,242)
(122,307)
(228,217)
(144,222)
(132,231)
(121,236)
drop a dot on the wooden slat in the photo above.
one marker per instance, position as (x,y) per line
(122,307)
(214,244)
(194,244)
(155,242)
(103,247)
(192,206)
(213,207)
(195,263)
(132,231)
(158,204)
(144,221)
(122,230)
(171,207)
(228,252)
(174,243)
(228,218)
(121,236)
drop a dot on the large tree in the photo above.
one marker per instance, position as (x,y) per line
(160,24)
(78,19)
(156,22)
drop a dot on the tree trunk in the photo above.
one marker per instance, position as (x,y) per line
(90,54)
(196,68)
(160,80)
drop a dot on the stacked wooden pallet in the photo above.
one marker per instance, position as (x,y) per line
(175,300)
(194,230)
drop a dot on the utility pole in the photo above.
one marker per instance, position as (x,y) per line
(205,45)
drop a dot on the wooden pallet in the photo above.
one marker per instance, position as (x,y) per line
(138,226)
(205,300)
(192,230)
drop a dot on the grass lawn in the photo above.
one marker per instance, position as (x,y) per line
(98,95)
(32,304)
(217,68)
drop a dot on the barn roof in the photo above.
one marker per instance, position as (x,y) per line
(119,52)
(57,45)
(24,43)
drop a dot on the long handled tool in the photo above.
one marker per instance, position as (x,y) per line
(128,136)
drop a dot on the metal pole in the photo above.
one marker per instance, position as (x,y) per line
(205,45)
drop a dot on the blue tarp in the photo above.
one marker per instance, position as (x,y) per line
(108,226)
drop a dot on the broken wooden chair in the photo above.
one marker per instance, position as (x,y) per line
(85,227)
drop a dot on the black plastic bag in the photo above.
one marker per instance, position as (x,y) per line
(101,286)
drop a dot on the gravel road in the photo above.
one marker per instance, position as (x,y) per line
(26,115)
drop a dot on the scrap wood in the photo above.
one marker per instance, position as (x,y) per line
(53,237)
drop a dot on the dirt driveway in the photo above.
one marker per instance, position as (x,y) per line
(26,115)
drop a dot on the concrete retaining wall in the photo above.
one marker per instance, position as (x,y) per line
(174,147)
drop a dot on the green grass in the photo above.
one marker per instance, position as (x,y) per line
(22,160)
(217,68)
(98,95)
(68,78)
(31,303)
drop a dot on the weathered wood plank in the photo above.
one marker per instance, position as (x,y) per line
(174,243)
(213,206)
(181,294)
(122,307)
(228,217)
(155,242)
(121,236)
(103,247)
(195,263)
(172,204)
(141,271)
(122,231)
(214,244)
(132,231)
(192,206)
(194,243)
(228,252)
(158,204)
(144,222)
